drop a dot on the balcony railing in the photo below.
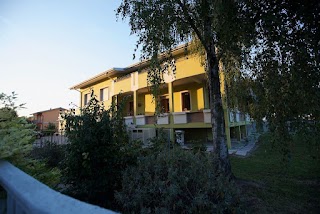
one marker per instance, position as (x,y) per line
(27,195)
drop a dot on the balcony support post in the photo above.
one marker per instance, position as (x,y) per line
(206,96)
(135,105)
(171,104)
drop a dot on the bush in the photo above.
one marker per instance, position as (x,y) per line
(95,156)
(16,138)
(40,171)
(176,182)
(16,135)
(52,153)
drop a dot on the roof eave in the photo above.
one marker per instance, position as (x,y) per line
(179,50)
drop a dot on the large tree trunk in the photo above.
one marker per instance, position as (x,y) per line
(220,148)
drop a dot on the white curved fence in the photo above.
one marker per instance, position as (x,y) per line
(26,195)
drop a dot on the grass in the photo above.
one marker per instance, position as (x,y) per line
(270,186)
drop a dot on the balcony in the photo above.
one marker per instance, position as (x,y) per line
(179,117)
(207,115)
(140,120)
(27,195)
(128,120)
(163,119)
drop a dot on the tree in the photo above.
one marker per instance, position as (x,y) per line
(218,26)
(16,138)
(96,153)
(282,69)
(16,134)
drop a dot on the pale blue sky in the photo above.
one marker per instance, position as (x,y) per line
(48,46)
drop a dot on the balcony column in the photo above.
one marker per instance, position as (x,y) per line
(135,106)
(239,128)
(171,104)
(81,99)
(206,97)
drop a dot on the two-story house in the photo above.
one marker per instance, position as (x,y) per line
(184,100)
(43,118)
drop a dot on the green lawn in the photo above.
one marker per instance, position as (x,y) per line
(267,186)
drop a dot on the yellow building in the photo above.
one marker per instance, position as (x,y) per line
(184,100)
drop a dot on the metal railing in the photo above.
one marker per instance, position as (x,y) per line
(27,195)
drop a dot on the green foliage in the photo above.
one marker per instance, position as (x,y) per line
(16,135)
(176,182)
(16,138)
(49,130)
(40,170)
(162,25)
(268,187)
(52,153)
(51,126)
(308,135)
(279,79)
(96,153)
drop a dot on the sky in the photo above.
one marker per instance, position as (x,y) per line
(48,46)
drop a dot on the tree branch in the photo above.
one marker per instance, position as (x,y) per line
(191,22)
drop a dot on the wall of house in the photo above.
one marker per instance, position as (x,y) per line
(187,66)
(196,96)
(149,104)
(96,88)
(123,85)
(44,118)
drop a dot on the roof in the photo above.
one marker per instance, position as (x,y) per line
(60,108)
(114,72)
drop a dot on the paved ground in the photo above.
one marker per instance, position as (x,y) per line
(241,148)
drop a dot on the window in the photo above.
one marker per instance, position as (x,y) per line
(185,100)
(104,94)
(86,99)
(130,113)
(164,104)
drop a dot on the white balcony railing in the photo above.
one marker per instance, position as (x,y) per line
(27,195)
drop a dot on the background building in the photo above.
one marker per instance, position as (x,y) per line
(43,118)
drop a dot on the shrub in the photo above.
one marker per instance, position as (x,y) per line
(16,137)
(176,182)
(95,156)
(52,153)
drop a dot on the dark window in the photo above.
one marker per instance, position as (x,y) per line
(101,94)
(164,104)
(130,108)
(104,94)
(185,97)
(85,99)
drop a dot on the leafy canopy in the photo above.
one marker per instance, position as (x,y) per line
(16,134)
(162,25)
(280,76)
(96,153)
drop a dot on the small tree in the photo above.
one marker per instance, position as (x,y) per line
(94,158)
(280,79)
(16,138)
(16,134)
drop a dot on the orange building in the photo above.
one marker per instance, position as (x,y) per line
(43,118)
